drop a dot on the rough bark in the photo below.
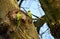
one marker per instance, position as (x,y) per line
(8,28)
(52,11)
(39,23)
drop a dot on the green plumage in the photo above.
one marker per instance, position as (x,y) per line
(18,16)
(18,20)
(29,14)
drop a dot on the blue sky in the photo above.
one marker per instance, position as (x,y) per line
(35,7)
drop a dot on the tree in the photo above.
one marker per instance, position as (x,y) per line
(8,25)
(52,15)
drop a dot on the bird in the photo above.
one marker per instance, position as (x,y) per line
(29,14)
(18,20)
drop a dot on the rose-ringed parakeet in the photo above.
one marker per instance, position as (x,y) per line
(29,14)
(18,20)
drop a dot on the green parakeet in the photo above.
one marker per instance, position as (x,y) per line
(18,16)
(18,20)
(29,14)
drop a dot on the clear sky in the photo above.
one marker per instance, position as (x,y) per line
(35,7)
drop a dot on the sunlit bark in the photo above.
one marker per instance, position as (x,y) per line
(8,28)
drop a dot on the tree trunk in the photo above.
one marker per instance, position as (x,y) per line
(52,12)
(8,27)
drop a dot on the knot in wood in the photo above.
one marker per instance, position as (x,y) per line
(11,14)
